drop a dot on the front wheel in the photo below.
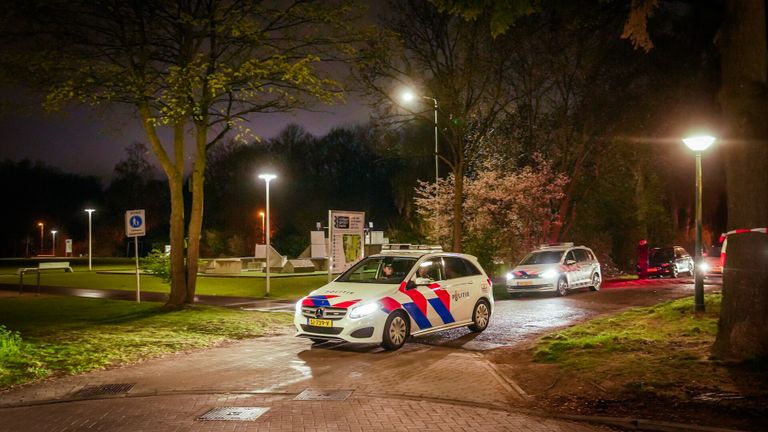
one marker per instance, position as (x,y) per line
(395,331)
(480,316)
(562,287)
(675,273)
(595,282)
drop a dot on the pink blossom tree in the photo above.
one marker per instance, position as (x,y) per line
(506,212)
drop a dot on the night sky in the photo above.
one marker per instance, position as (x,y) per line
(92,140)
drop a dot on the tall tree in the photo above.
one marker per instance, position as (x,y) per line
(743,326)
(197,68)
(453,61)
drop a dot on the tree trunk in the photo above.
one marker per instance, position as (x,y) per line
(196,214)
(458,201)
(743,326)
(178,276)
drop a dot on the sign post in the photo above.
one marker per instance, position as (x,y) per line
(345,237)
(68,247)
(135,226)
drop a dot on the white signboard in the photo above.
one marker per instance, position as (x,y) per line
(135,223)
(346,238)
(68,244)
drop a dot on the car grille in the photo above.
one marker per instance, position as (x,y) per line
(527,276)
(321,330)
(330,313)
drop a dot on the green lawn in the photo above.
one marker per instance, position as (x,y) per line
(44,336)
(281,287)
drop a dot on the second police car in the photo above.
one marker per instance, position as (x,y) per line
(403,291)
(556,268)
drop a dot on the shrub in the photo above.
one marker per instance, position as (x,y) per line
(10,343)
(158,264)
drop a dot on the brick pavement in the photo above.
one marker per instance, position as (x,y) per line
(418,387)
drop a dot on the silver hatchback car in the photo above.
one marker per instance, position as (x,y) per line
(556,268)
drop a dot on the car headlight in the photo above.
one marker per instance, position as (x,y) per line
(550,274)
(363,310)
(510,276)
(703,267)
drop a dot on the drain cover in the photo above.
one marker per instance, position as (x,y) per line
(234,414)
(104,389)
(323,395)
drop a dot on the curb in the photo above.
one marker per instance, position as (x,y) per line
(625,423)
(641,424)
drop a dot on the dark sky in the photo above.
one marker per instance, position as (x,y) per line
(91,141)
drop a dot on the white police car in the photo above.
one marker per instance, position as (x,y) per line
(558,267)
(403,291)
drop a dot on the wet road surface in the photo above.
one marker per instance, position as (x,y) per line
(516,320)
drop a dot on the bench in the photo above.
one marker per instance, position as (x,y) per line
(43,266)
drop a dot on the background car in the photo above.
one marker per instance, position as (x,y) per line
(669,261)
(556,268)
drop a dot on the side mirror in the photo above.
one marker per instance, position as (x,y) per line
(570,262)
(410,285)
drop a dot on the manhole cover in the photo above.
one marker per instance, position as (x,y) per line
(234,414)
(323,395)
(103,389)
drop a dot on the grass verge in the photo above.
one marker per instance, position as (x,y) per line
(280,287)
(46,336)
(662,350)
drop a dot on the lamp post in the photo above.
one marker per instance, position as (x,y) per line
(267,178)
(90,244)
(698,144)
(53,246)
(263,230)
(40,224)
(408,97)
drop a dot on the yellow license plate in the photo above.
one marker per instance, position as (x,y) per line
(320,322)
(525,283)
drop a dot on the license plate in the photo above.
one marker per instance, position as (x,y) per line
(320,322)
(524,283)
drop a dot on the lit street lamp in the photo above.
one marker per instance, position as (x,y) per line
(408,97)
(267,178)
(53,246)
(90,255)
(261,213)
(698,144)
(40,224)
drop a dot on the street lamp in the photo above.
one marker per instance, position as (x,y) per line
(698,144)
(267,178)
(90,244)
(40,224)
(261,213)
(53,246)
(408,97)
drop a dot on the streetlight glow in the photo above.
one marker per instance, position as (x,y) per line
(90,243)
(41,225)
(267,178)
(408,96)
(263,228)
(53,246)
(699,142)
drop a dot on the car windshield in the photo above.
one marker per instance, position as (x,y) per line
(543,257)
(659,256)
(379,270)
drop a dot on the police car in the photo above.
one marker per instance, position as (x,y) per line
(558,267)
(406,290)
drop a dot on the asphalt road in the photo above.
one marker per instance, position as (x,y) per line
(517,320)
